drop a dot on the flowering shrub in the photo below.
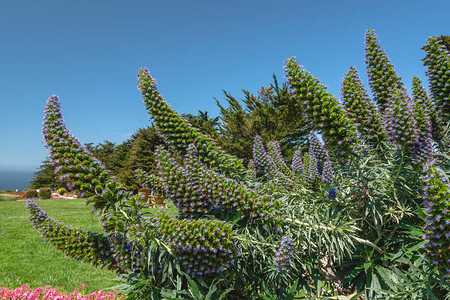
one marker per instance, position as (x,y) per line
(346,210)
(49,293)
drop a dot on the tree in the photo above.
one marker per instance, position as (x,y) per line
(273,115)
(207,125)
(45,177)
(138,152)
(105,152)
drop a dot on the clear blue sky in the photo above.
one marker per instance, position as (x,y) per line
(89,52)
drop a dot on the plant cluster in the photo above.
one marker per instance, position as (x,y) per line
(345,215)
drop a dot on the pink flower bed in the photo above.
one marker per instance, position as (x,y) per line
(65,196)
(49,293)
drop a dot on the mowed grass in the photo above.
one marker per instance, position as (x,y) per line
(26,259)
(8,197)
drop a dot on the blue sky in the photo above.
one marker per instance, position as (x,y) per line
(89,52)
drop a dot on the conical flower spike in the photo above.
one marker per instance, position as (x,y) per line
(178,133)
(425,113)
(437,62)
(264,165)
(401,120)
(72,161)
(383,79)
(437,202)
(321,108)
(297,166)
(358,106)
(274,151)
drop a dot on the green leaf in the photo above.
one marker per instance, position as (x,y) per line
(193,288)
(221,296)
(211,291)
(292,292)
(421,213)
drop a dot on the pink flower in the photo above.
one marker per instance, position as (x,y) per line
(49,293)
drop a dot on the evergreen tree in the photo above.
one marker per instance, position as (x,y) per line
(105,152)
(273,114)
(207,125)
(140,154)
(45,177)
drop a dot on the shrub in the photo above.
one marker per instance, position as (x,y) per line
(45,193)
(347,214)
(30,194)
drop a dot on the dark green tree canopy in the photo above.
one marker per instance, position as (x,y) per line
(272,114)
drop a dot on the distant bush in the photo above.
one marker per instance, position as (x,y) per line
(45,193)
(61,191)
(30,194)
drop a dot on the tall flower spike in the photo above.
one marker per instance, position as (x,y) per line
(316,147)
(201,247)
(383,79)
(358,106)
(424,103)
(262,162)
(73,162)
(321,108)
(437,222)
(401,120)
(322,157)
(274,152)
(297,165)
(310,169)
(178,133)
(284,254)
(327,169)
(425,113)
(112,252)
(437,62)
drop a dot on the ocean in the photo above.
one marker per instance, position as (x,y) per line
(12,180)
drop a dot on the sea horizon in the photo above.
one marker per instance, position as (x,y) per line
(15,179)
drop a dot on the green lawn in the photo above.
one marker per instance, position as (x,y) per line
(26,259)
(8,197)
